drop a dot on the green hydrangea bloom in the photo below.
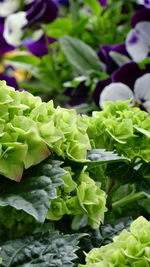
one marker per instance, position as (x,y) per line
(121,128)
(128,249)
(79,195)
(30,129)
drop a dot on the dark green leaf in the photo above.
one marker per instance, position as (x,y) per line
(145,170)
(104,235)
(49,250)
(145,204)
(80,55)
(101,156)
(33,195)
(123,172)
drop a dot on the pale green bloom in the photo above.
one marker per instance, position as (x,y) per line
(128,249)
(31,129)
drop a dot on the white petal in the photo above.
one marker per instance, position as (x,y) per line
(8,6)
(114,92)
(13,28)
(143,29)
(142,89)
(145,3)
(36,35)
(137,44)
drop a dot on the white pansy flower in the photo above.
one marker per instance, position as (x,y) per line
(13,28)
(120,91)
(146,3)
(8,7)
(138,41)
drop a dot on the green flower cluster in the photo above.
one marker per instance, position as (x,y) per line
(131,249)
(79,195)
(121,128)
(29,127)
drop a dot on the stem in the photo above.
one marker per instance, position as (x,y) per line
(128,199)
(21,4)
(74,7)
(110,189)
(55,76)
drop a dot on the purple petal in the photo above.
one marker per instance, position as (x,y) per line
(127,74)
(141,15)
(38,48)
(4,46)
(103,53)
(99,88)
(145,3)
(63,2)
(103,2)
(11,81)
(42,11)
(78,95)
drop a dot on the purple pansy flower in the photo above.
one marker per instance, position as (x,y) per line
(40,11)
(77,95)
(119,91)
(38,48)
(104,54)
(4,47)
(11,81)
(63,2)
(8,7)
(103,2)
(145,3)
(121,75)
(138,41)
(142,14)
(44,11)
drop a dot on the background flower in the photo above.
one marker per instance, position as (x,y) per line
(121,75)
(104,54)
(138,41)
(21,24)
(146,3)
(119,91)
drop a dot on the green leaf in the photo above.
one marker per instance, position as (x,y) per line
(123,172)
(26,62)
(144,169)
(33,195)
(143,63)
(105,234)
(58,28)
(80,55)
(119,58)
(128,249)
(94,5)
(51,249)
(143,131)
(25,66)
(28,59)
(101,156)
